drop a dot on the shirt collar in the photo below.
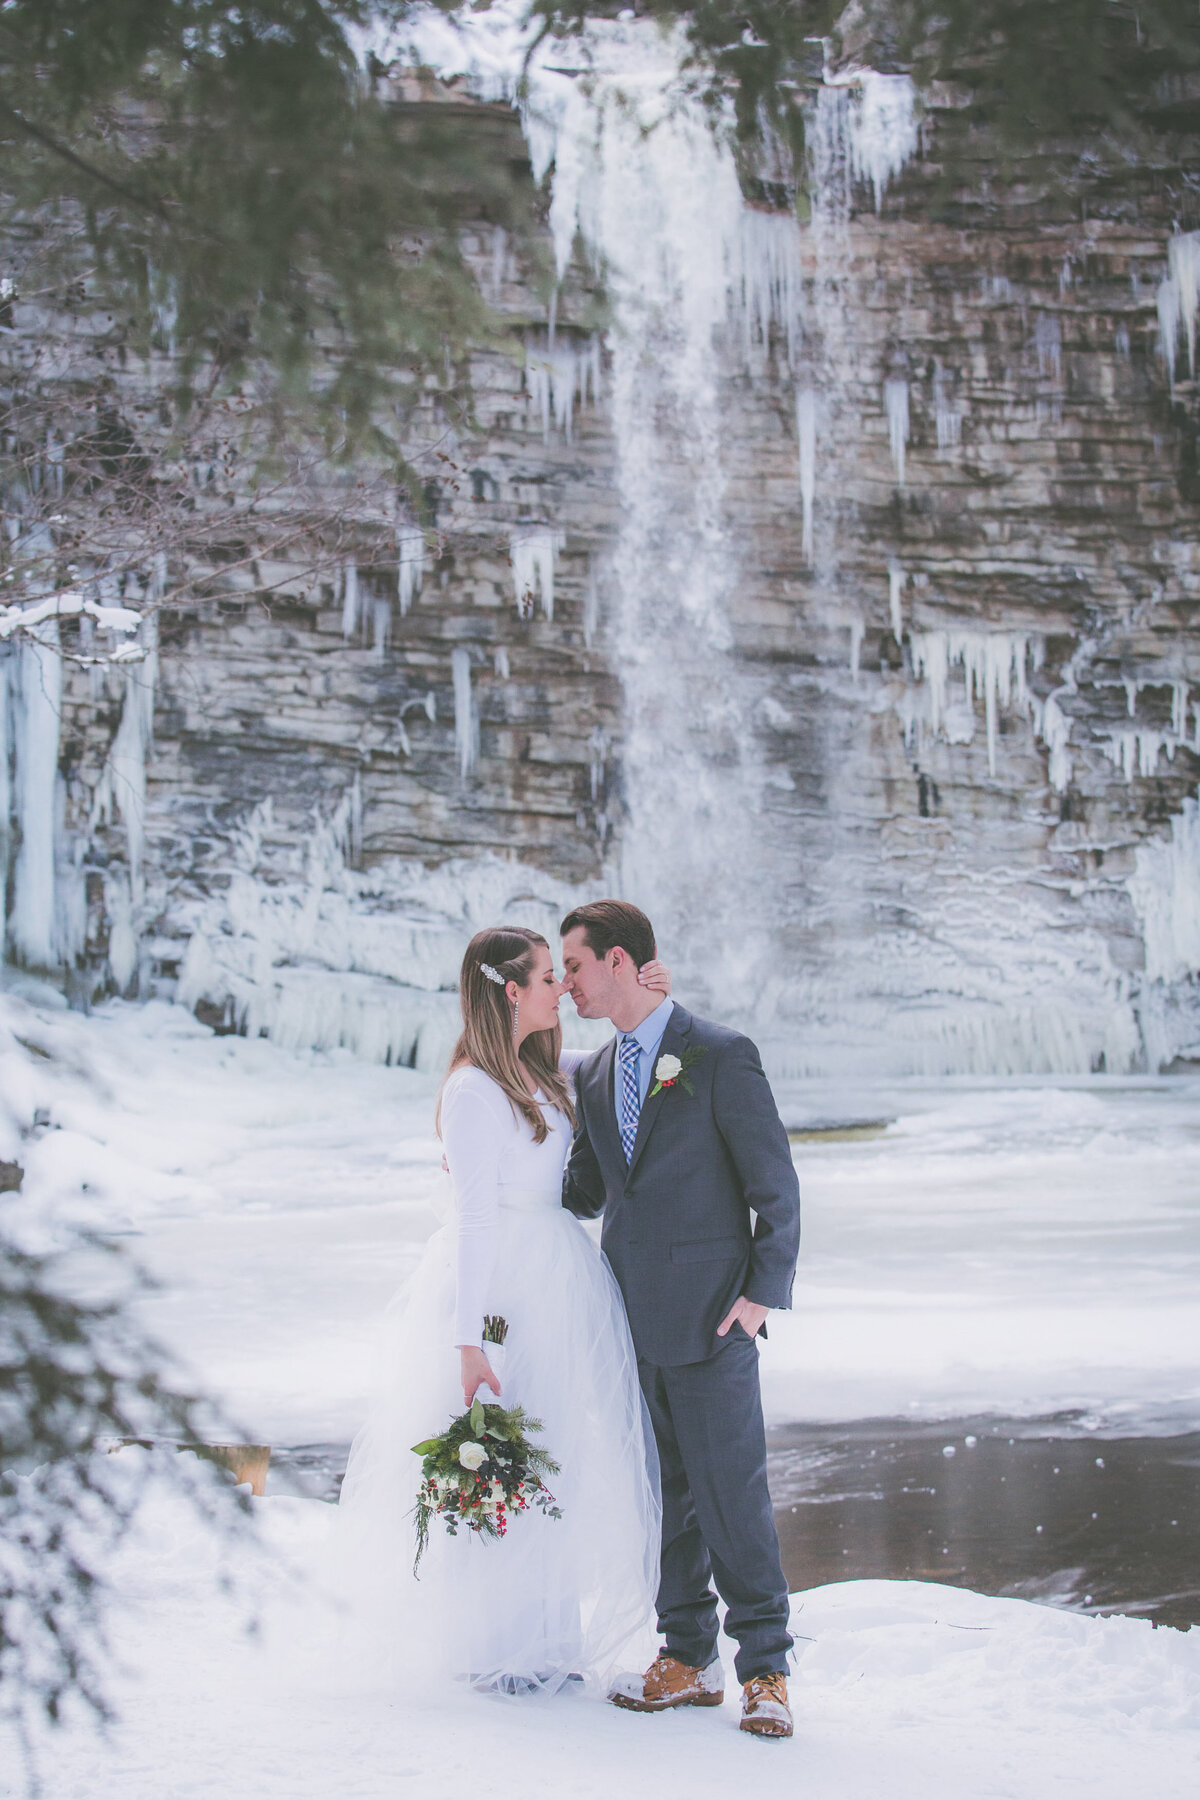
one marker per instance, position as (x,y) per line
(650,1031)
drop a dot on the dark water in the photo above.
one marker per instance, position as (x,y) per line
(1039,1509)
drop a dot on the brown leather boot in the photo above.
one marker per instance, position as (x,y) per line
(669,1682)
(765,1709)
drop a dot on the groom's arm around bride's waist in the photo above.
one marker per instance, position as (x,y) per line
(583,1183)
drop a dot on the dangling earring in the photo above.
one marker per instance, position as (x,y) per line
(516,1015)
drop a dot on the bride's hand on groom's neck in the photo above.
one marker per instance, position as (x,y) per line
(656,976)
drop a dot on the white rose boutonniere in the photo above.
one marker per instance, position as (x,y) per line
(671,1069)
(471,1455)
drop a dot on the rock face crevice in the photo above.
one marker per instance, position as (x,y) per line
(876,676)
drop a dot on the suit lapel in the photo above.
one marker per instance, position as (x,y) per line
(603,1111)
(674,1039)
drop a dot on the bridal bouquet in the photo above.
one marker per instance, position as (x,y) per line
(483,1467)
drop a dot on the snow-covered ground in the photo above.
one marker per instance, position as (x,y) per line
(1019,1248)
(908,1689)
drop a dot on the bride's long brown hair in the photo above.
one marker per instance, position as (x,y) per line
(486,1041)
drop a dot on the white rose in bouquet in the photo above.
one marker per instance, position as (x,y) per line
(471,1456)
(668,1068)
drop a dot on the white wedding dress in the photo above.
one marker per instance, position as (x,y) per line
(554,1600)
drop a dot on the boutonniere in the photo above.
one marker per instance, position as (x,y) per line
(671,1069)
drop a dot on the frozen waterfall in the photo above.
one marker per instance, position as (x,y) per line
(851,784)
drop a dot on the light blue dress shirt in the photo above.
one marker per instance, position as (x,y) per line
(649,1035)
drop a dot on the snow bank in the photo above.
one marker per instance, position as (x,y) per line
(901,1687)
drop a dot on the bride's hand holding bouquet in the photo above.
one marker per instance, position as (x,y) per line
(483,1467)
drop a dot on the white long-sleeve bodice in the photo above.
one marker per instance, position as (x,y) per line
(497,1169)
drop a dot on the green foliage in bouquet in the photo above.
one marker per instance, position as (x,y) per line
(482,1468)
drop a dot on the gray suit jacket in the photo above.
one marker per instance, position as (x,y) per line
(677,1219)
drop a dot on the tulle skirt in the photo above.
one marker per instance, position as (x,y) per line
(555,1600)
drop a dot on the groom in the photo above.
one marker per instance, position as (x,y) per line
(678,1143)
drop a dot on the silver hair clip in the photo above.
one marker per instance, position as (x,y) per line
(492,974)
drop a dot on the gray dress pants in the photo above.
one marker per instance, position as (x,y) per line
(717,1518)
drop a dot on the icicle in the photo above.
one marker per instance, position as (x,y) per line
(381,627)
(410,565)
(1166,892)
(36,717)
(7,662)
(1047,342)
(500,662)
(354,822)
(349,600)
(1055,733)
(994,670)
(806,435)
(1179,708)
(1179,299)
(881,128)
(591,604)
(466,729)
(896,581)
(499,267)
(895,400)
(598,755)
(1136,751)
(770,279)
(1168,324)
(127,758)
(946,415)
(857,633)
(555,375)
(533,556)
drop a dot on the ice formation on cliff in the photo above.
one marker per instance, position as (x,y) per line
(410,564)
(994,666)
(350,600)
(557,374)
(1179,299)
(947,417)
(315,954)
(466,724)
(36,700)
(867,130)
(1166,891)
(534,553)
(895,405)
(896,580)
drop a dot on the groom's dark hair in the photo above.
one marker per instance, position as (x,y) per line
(609,924)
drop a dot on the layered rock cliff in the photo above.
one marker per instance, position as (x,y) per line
(830,588)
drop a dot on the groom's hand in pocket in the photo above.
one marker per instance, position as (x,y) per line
(746,1313)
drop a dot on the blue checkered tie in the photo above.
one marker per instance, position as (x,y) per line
(631,1094)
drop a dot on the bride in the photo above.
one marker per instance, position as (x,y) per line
(556,1600)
